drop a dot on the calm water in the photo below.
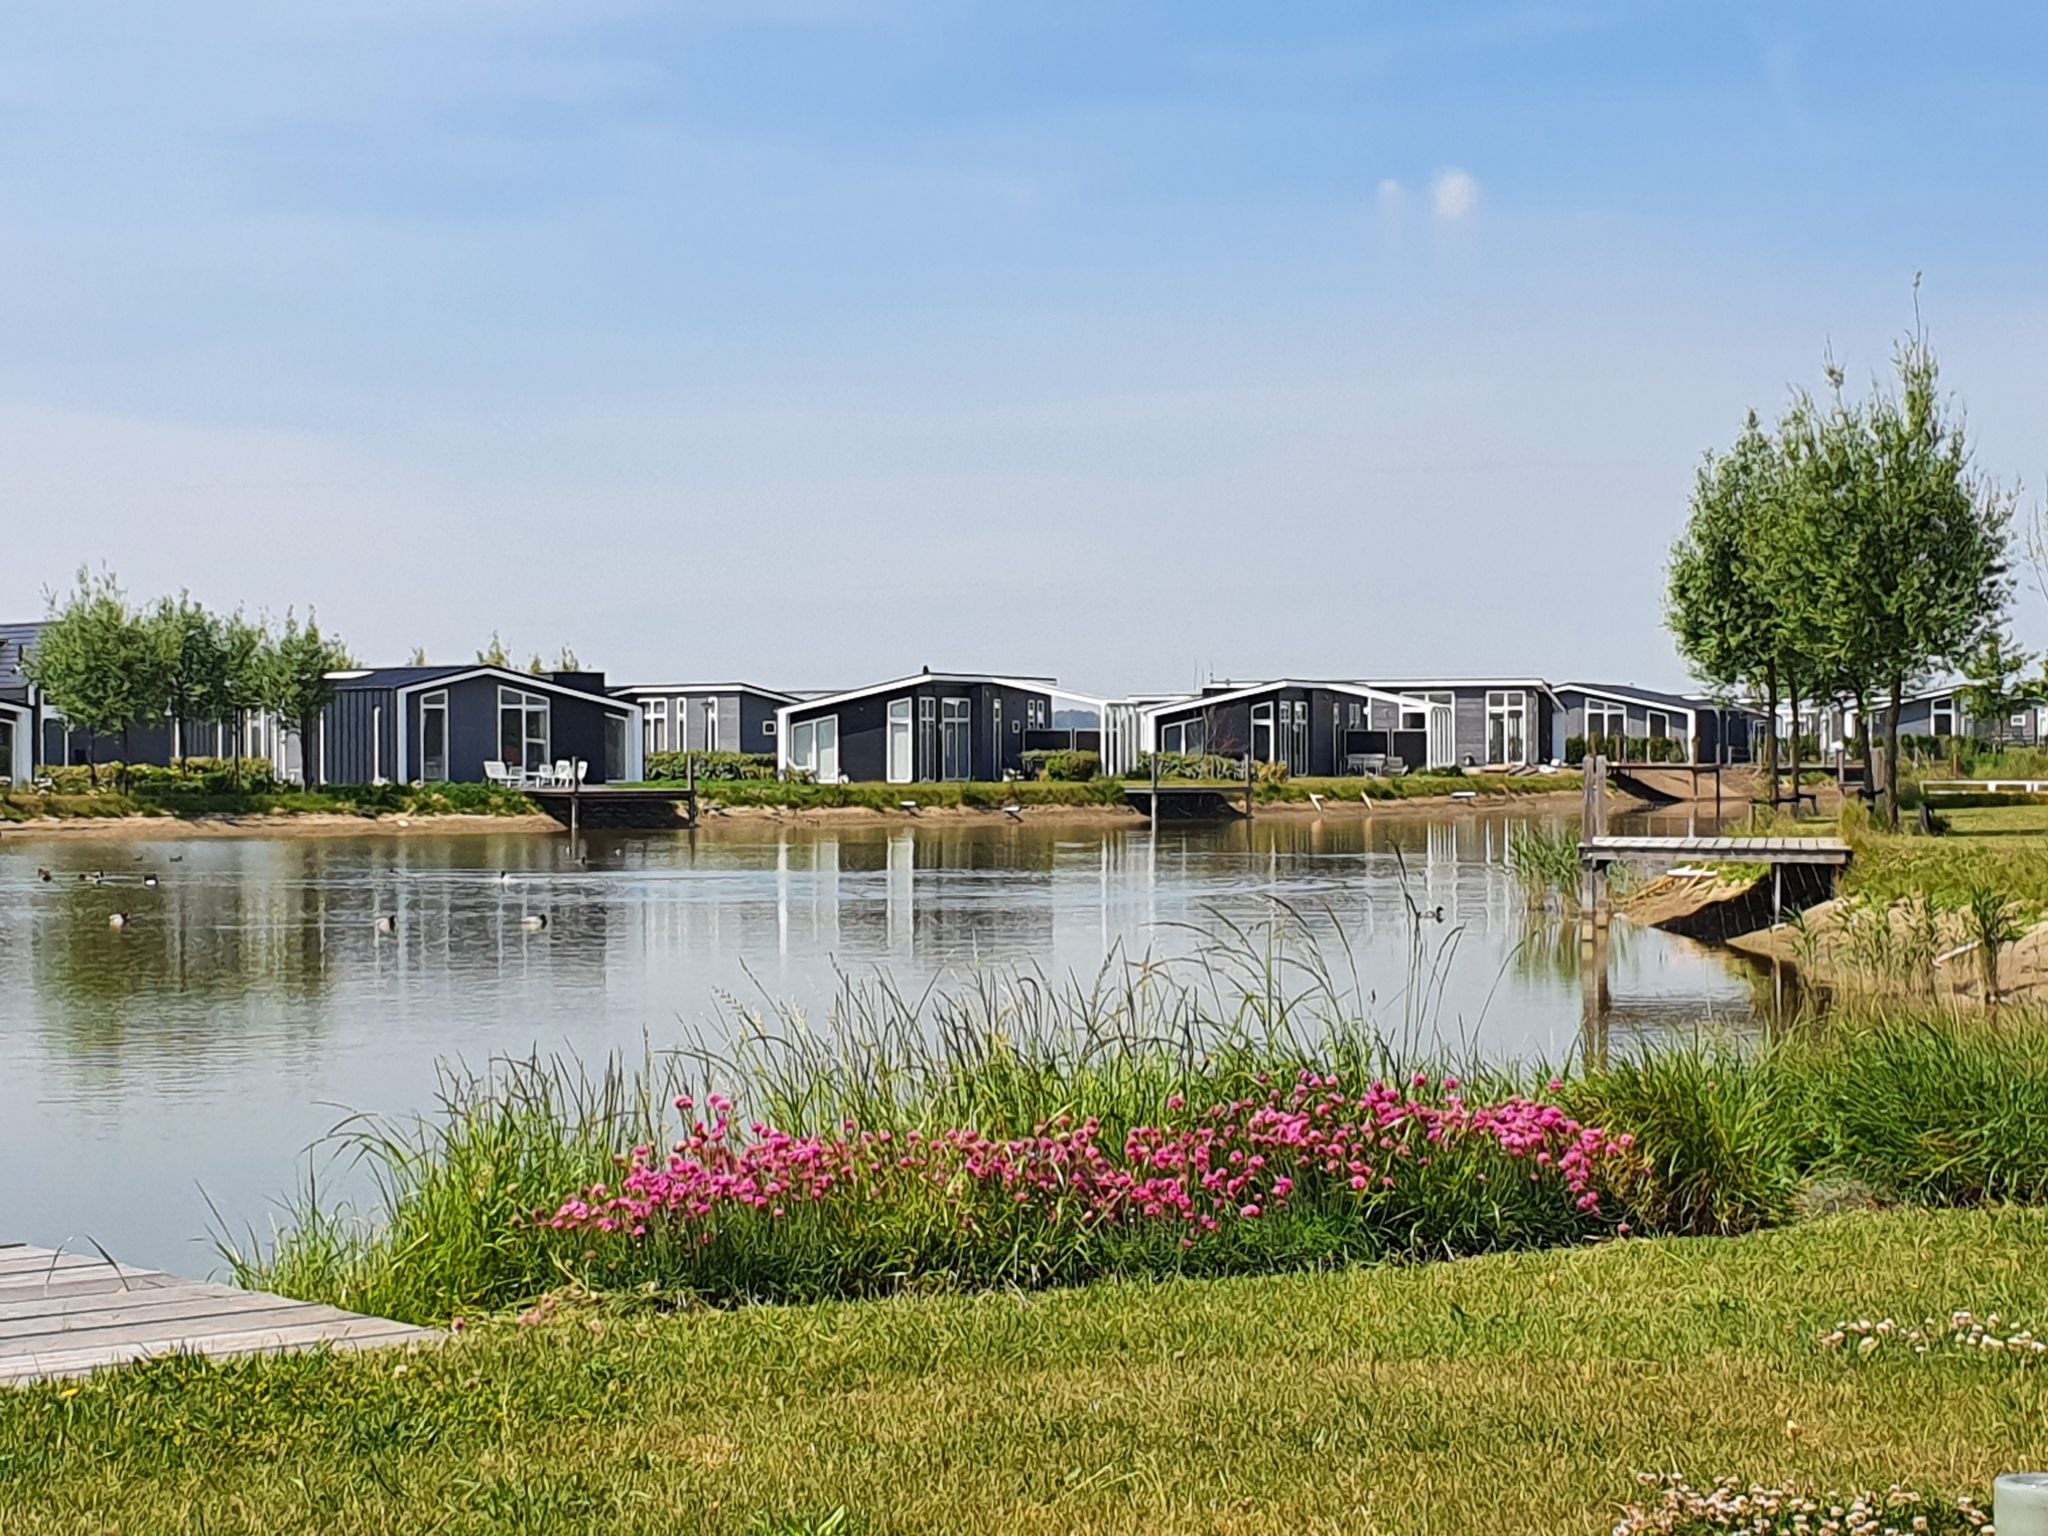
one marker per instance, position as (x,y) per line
(250,1000)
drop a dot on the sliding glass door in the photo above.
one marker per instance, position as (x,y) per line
(956,741)
(434,738)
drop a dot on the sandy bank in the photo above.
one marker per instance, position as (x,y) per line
(267,824)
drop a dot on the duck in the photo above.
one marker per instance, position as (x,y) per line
(506,877)
(533,922)
(117,919)
(45,876)
(150,881)
(386,923)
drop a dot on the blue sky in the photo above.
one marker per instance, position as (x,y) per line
(817,340)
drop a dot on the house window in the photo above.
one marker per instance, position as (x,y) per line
(711,725)
(524,729)
(1943,717)
(1507,717)
(1658,725)
(927,735)
(956,745)
(434,738)
(7,728)
(1605,721)
(657,726)
(814,748)
(767,727)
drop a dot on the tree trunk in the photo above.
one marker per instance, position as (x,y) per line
(1771,731)
(127,758)
(92,759)
(1888,806)
(1792,694)
(1863,743)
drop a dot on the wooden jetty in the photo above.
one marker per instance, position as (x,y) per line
(1186,802)
(69,1314)
(597,807)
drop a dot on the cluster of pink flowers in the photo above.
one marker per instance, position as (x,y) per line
(1240,1160)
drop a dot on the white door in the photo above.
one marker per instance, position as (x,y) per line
(1443,735)
(900,769)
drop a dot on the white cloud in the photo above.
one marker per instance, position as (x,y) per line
(1453,193)
(1393,196)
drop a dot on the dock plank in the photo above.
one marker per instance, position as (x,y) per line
(1734,850)
(67,1315)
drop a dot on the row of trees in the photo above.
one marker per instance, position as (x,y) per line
(110,666)
(1843,554)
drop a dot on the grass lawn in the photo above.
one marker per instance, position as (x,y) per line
(1519,1393)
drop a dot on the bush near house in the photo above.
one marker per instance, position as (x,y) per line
(712,767)
(1064,767)
(1626,749)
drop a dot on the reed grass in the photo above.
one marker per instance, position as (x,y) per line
(1725,1139)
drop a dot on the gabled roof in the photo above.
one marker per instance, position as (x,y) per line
(410,679)
(1045,685)
(1628,693)
(1252,690)
(754,688)
(15,641)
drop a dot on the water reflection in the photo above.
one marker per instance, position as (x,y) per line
(251,994)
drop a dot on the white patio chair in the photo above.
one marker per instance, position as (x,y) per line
(541,777)
(582,769)
(496,772)
(565,773)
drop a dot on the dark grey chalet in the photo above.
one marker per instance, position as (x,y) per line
(706,717)
(22,711)
(444,724)
(1318,729)
(1697,730)
(925,728)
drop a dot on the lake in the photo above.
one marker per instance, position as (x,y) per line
(250,1001)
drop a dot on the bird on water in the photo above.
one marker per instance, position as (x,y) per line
(533,922)
(386,923)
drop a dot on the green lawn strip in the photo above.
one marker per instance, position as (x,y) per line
(191,802)
(1517,1393)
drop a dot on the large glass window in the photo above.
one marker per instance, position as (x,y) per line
(1507,715)
(657,725)
(524,729)
(6,749)
(927,735)
(711,725)
(434,738)
(901,770)
(955,742)
(1262,732)
(1942,717)
(615,728)
(814,748)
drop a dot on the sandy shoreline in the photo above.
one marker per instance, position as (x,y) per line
(331,824)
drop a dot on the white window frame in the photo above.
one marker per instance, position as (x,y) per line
(1505,704)
(956,725)
(1262,718)
(711,725)
(927,736)
(657,726)
(527,704)
(899,741)
(814,747)
(1939,710)
(1657,725)
(433,703)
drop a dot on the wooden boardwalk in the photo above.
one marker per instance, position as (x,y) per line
(1601,851)
(67,1314)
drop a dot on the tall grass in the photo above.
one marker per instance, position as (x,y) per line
(1546,861)
(1717,1140)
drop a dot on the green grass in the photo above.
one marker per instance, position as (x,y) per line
(1510,1394)
(174,799)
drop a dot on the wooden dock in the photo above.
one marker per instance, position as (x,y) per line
(596,807)
(1187,802)
(1598,852)
(68,1314)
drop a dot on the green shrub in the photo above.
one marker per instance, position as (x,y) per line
(712,767)
(1190,765)
(1063,767)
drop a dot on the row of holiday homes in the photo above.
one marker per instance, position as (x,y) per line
(464,722)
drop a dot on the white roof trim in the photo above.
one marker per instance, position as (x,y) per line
(1044,685)
(525,680)
(1629,696)
(1358,690)
(668,688)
